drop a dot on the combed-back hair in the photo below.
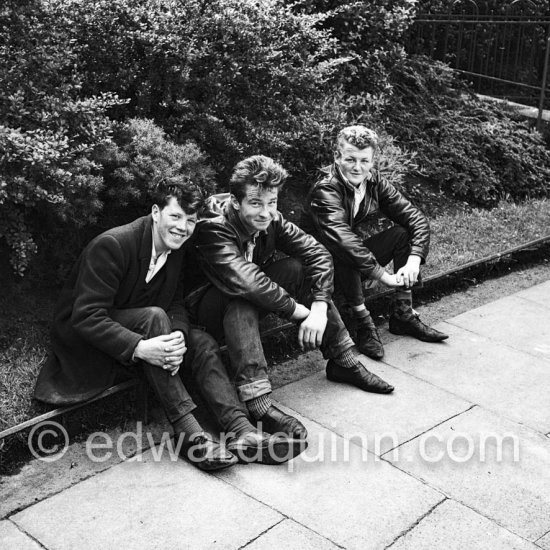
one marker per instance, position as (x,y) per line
(256,170)
(359,136)
(187,194)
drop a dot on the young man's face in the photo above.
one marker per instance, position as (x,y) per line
(258,207)
(171,226)
(354,163)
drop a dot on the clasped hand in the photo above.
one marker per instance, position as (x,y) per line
(313,325)
(164,351)
(408,274)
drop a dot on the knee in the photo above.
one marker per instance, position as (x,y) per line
(157,321)
(400,235)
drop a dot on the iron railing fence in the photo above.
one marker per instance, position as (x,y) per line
(503,51)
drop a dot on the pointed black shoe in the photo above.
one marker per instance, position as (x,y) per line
(357,376)
(368,340)
(205,453)
(266,449)
(276,421)
(416,328)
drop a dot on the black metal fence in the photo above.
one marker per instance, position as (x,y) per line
(503,51)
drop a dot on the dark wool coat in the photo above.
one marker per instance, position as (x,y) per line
(86,343)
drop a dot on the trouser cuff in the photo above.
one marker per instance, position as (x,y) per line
(253,389)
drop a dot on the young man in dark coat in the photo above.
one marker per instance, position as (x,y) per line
(123,306)
(237,253)
(348,193)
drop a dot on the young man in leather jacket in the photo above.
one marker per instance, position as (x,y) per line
(237,253)
(350,191)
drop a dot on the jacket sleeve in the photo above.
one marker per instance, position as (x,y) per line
(102,267)
(331,222)
(225,266)
(315,258)
(401,211)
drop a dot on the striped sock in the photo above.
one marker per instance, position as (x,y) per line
(258,406)
(347,359)
(187,425)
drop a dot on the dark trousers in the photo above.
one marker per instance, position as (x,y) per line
(202,359)
(392,244)
(236,321)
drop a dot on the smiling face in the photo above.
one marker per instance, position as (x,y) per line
(171,226)
(258,208)
(354,163)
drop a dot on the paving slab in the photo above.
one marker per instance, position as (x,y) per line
(514,321)
(11,538)
(544,542)
(454,527)
(512,490)
(352,498)
(386,420)
(502,379)
(289,535)
(538,293)
(147,504)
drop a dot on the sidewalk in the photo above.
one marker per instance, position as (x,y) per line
(458,457)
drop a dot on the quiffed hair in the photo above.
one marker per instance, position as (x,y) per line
(257,170)
(187,194)
(359,136)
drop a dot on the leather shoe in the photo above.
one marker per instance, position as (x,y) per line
(416,328)
(266,449)
(276,421)
(205,453)
(357,376)
(368,340)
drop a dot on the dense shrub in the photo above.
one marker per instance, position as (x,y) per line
(475,150)
(48,131)
(236,76)
(139,157)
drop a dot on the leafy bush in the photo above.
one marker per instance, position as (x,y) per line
(471,149)
(48,131)
(237,77)
(139,157)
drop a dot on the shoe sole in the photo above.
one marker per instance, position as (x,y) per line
(430,340)
(373,390)
(272,454)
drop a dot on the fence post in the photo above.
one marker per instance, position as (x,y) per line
(544,79)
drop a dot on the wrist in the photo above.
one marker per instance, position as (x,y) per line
(319,307)
(414,260)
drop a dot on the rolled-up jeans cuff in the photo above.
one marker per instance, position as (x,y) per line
(254,389)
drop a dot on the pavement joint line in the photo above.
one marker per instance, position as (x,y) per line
(542,536)
(463,398)
(262,533)
(489,518)
(417,522)
(27,534)
(500,342)
(530,300)
(84,478)
(428,430)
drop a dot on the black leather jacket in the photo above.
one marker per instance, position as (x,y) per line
(331,219)
(221,243)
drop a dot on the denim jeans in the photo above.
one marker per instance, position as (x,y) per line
(236,321)
(202,359)
(392,244)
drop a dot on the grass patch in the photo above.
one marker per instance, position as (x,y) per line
(472,234)
(460,235)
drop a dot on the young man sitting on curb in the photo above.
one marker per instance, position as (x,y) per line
(350,191)
(122,308)
(236,252)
